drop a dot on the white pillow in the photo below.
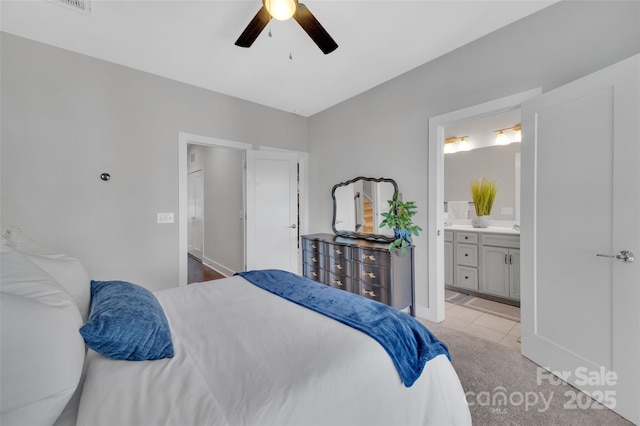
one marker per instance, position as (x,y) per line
(66,270)
(71,274)
(41,349)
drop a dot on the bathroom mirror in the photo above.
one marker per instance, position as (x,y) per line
(357,206)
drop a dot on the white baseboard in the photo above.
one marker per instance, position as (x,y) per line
(217,266)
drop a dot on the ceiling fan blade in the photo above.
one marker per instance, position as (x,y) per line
(255,27)
(318,34)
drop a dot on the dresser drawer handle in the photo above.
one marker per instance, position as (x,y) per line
(466,277)
(337,251)
(368,292)
(315,274)
(466,238)
(338,266)
(466,255)
(338,282)
(370,274)
(314,246)
(313,259)
(368,256)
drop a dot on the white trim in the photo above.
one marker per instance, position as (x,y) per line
(435,309)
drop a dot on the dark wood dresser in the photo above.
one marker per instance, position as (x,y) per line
(363,267)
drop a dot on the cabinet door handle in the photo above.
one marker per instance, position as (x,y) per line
(466,255)
(338,266)
(510,259)
(368,256)
(505,259)
(315,274)
(368,292)
(313,259)
(337,251)
(338,282)
(466,277)
(370,274)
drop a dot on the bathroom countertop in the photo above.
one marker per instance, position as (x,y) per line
(489,230)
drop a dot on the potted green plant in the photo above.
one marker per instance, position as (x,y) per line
(483,192)
(399,218)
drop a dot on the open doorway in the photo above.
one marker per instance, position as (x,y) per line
(256,202)
(215,179)
(436,214)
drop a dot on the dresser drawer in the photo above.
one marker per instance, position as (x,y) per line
(313,246)
(339,266)
(467,277)
(311,258)
(340,281)
(374,257)
(338,252)
(374,292)
(374,275)
(467,254)
(467,237)
(313,272)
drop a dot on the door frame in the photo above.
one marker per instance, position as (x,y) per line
(184,139)
(435,211)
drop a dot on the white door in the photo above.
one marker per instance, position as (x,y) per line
(195,200)
(272,210)
(581,198)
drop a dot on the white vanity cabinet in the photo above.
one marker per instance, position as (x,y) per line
(483,262)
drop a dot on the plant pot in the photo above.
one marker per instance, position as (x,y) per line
(480,222)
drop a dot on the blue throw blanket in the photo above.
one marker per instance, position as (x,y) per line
(405,339)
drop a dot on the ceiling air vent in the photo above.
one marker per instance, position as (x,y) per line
(83,6)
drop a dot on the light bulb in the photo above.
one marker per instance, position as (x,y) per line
(501,139)
(281,9)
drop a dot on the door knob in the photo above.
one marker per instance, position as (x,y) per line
(293,226)
(624,255)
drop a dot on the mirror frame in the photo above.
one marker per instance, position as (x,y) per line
(356,235)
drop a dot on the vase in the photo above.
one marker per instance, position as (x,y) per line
(480,222)
(404,234)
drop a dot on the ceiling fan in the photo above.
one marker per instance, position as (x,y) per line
(283,10)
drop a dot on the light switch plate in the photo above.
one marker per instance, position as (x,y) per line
(165,217)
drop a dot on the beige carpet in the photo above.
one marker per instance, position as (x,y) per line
(483,305)
(488,371)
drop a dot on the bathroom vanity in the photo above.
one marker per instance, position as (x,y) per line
(484,262)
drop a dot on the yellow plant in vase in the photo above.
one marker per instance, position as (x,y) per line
(483,193)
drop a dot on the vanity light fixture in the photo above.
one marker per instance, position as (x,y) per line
(454,144)
(501,138)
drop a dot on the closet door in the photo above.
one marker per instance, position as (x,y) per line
(272,210)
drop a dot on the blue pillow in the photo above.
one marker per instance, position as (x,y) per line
(126,322)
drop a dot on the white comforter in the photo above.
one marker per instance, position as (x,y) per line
(246,357)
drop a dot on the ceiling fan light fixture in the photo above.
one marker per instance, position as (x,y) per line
(281,9)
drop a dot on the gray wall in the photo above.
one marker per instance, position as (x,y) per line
(66,118)
(494,162)
(384,131)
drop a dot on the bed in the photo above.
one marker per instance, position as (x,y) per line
(238,354)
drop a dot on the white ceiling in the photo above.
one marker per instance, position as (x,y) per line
(193,42)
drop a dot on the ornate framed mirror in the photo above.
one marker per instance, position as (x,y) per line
(357,205)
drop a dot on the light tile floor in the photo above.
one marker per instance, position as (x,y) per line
(482,325)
